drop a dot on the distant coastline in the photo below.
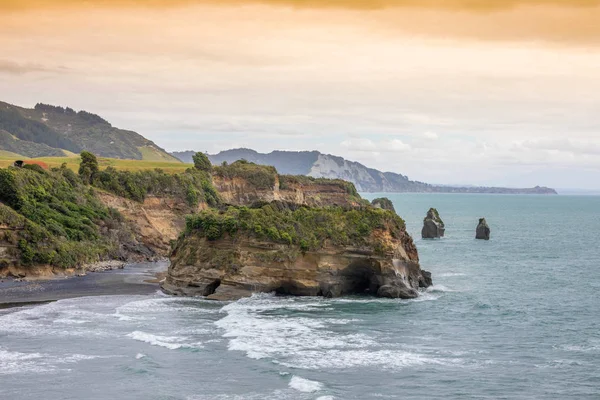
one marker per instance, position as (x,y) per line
(366,180)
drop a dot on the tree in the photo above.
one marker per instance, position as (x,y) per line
(202,162)
(88,167)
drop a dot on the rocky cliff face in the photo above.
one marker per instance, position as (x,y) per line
(239,191)
(155,223)
(233,268)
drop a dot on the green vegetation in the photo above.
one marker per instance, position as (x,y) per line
(73,162)
(384,203)
(307,228)
(54,218)
(193,186)
(88,168)
(260,176)
(201,162)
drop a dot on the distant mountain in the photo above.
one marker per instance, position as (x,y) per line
(318,165)
(50,131)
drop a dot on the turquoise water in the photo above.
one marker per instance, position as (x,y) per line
(517,317)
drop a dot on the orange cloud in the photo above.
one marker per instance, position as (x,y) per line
(470,5)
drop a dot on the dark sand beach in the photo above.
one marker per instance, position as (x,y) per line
(134,279)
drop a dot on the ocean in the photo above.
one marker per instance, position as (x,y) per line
(516,317)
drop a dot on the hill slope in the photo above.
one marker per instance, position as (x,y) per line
(45,131)
(318,165)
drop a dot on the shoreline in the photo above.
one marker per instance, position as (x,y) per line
(130,279)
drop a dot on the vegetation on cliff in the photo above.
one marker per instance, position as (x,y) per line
(194,185)
(55,217)
(308,228)
(259,176)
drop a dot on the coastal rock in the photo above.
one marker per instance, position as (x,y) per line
(433,226)
(230,256)
(483,230)
(383,203)
(230,269)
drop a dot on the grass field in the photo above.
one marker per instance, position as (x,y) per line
(6,159)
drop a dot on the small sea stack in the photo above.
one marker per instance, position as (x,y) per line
(433,226)
(483,230)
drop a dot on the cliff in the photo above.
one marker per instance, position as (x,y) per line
(288,249)
(54,220)
(365,179)
(245,183)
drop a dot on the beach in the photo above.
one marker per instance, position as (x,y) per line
(133,279)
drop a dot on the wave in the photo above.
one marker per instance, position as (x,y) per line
(169,342)
(305,385)
(450,274)
(269,327)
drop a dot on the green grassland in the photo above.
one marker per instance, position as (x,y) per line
(7,159)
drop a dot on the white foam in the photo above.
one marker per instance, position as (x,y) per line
(14,362)
(139,356)
(258,327)
(439,288)
(449,274)
(169,342)
(305,385)
(325,398)
(262,336)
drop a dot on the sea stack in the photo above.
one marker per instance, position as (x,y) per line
(433,226)
(483,230)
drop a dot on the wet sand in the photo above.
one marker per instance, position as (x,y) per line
(140,278)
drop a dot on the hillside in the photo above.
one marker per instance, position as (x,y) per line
(50,131)
(319,165)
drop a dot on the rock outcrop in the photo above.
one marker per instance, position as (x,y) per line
(236,263)
(384,203)
(237,189)
(433,226)
(483,230)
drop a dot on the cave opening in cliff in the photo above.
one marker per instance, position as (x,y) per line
(360,277)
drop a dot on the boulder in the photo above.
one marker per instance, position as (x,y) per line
(483,230)
(433,226)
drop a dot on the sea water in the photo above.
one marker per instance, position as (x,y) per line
(516,317)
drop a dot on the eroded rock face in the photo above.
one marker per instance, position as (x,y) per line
(238,191)
(433,226)
(483,230)
(232,268)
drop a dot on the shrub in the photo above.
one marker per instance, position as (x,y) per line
(259,176)
(88,167)
(201,162)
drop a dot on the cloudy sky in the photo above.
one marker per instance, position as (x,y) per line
(446,91)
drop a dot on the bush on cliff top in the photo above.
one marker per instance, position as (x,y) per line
(308,228)
(260,176)
(193,185)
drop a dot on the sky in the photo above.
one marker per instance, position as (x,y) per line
(484,92)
